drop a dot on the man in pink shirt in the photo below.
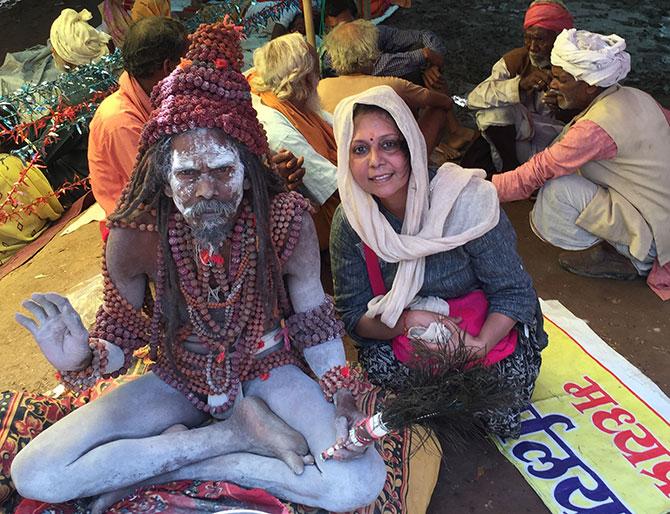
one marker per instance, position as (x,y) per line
(604,184)
(152,49)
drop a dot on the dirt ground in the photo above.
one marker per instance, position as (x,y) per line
(625,314)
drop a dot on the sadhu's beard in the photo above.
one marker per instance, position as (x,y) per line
(211,232)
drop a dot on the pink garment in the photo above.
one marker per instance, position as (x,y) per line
(113,140)
(550,16)
(659,280)
(561,158)
(585,141)
(472,308)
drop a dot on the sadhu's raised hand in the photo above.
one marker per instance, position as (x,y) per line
(58,330)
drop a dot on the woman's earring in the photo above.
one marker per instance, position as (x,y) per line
(246,184)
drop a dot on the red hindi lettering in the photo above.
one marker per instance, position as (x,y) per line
(661,472)
(595,395)
(651,448)
(619,416)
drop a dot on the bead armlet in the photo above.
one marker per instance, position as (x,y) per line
(315,326)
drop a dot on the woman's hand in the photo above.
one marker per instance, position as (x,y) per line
(423,319)
(346,416)
(458,336)
(58,330)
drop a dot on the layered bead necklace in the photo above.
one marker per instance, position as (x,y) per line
(224,309)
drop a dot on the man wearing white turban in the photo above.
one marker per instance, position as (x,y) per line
(605,182)
(74,41)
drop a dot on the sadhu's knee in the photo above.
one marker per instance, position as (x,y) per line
(354,484)
(37,479)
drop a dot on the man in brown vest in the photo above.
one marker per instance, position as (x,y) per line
(605,182)
(515,112)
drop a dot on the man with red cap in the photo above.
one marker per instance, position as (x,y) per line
(515,111)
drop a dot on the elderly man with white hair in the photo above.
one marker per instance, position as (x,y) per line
(284,81)
(605,182)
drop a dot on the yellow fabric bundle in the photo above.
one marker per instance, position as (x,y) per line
(22,228)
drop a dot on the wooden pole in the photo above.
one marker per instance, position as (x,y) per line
(309,22)
(366,9)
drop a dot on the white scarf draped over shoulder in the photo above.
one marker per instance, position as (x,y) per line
(428,206)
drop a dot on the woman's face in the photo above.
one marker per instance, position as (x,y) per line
(377,156)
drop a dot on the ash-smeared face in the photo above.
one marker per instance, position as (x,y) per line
(206,183)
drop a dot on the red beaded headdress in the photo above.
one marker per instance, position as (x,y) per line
(207,90)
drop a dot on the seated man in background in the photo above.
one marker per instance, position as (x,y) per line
(152,49)
(353,51)
(72,42)
(284,81)
(415,55)
(604,183)
(119,15)
(514,110)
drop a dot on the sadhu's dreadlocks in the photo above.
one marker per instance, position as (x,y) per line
(206,90)
(146,190)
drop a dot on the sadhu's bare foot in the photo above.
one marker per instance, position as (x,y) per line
(461,137)
(103,502)
(267,434)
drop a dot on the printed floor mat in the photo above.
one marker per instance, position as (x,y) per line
(596,437)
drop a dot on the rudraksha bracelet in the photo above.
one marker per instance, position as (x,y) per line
(348,377)
(85,378)
(315,326)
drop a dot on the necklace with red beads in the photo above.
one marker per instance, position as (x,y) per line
(223,306)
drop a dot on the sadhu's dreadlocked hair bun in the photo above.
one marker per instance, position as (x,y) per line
(207,90)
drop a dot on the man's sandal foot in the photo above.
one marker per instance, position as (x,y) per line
(600,261)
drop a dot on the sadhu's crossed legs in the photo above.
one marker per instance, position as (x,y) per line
(122,439)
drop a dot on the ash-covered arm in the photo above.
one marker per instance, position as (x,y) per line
(303,276)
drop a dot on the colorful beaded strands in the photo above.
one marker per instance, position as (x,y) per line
(224,311)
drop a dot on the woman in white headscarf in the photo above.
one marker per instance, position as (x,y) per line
(405,239)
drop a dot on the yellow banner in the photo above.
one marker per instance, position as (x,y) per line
(591,443)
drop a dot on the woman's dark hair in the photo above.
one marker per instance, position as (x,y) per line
(149,42)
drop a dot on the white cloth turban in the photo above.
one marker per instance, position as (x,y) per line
(596,59)
(74,40)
